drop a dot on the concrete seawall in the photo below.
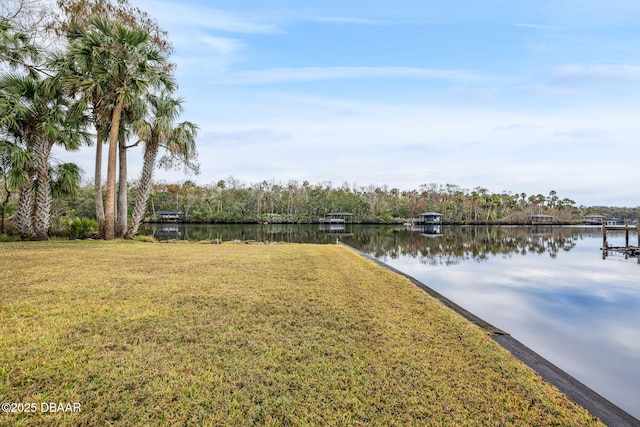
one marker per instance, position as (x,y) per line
(597,405)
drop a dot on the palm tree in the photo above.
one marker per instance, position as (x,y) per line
(14,166)
(15,49)
(113,59)
(45,118)
(100,105)
(135,111)
(66,178)
(160,131)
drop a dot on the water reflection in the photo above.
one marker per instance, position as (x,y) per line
(337,230)
(455,244)
(244,232)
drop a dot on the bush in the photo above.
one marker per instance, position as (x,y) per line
(9,237)
(146,239)
(81,228)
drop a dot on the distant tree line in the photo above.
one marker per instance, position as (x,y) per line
(233,201)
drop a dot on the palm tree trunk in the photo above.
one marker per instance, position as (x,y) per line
(98,185)
(110,196)
(144,188)
(42,209)
(5,202)
(121,219)
(25,211)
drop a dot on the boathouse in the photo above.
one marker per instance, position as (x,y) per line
(429,218)
(539,219)
(338,217)
(168,216)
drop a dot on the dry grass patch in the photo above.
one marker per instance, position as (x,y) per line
(189,334)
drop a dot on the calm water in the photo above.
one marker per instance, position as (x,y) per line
(548,287)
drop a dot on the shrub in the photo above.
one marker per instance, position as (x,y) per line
(9,237)
(146,239)
(81,228)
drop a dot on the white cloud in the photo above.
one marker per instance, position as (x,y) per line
(537,26)
(200,54)
(223,46)
(600,73)
(306,74)
(584,134)
(377,22)
(171,14)
(516,126)
(244,137)
(407,145)
(350,20)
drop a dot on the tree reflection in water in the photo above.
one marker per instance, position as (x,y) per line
(453,244)
(438,245)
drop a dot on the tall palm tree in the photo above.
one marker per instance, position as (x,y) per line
(114,59)
(135,111)
(72,72)
(160,130)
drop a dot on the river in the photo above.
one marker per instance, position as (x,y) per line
(549,287)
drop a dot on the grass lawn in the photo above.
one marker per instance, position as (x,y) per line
(288,334)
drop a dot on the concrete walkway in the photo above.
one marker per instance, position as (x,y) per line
(598,406)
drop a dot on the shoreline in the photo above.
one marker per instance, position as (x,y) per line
(607,411)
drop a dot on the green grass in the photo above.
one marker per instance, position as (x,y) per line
(191,334)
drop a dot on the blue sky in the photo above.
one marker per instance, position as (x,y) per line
(516,96)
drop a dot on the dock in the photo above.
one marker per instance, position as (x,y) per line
(627,250)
